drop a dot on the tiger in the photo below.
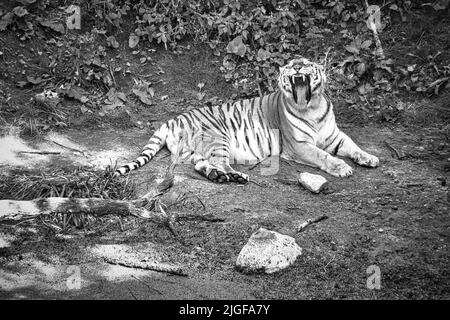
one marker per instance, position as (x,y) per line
(296,122)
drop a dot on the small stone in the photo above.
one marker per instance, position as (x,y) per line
(313,182)
(267,251)
(380,230)
(5,240)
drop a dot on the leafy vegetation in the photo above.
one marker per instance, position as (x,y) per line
(253,38)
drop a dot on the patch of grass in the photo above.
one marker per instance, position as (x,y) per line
(75,183)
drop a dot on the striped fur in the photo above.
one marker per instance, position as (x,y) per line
(296,122)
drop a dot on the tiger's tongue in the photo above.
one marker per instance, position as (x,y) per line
(301,95)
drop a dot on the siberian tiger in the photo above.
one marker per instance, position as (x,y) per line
(296,122)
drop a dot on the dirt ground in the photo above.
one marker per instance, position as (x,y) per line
(395,217)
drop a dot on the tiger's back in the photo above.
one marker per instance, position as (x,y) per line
(245,128)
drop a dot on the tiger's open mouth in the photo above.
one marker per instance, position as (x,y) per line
(301,89)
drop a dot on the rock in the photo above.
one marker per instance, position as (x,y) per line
(267,251)
(48,98)
(5,240)
(313,182)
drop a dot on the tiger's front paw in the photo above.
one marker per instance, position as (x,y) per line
(340,169)
(367,160)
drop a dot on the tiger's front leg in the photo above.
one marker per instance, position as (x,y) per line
(309,154)
(345,147)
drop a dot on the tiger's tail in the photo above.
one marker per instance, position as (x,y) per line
(156,143)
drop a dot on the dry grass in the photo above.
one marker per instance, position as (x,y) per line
(75,183)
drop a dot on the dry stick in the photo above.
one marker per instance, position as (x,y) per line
(258,184)
(132,294)
(257,164)
(68,148)
(39,152)
(332,259)
(160,267)
(397,154)
(325,63)
(308,222)
(147,285)
(286,181)
(112,76)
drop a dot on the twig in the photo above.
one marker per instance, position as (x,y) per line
(112,76)
(287,161)
(39,152)
(209,217)
(332,259)
(256,164)
(397,154)
(286,181)
(148,266)
(326,58)
(147,285)
(258,184)
(183,197)
(68,148)
(308,222)
(131,292)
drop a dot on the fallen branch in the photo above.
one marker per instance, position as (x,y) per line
(18,210)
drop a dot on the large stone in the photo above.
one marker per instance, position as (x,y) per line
(313,182)
(267,251)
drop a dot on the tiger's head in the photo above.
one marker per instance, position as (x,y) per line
(300,80)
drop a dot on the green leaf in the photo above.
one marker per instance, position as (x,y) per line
(263,55)
(366,44)
(6,20)
(20,11)
(237,47)
(54,25)
(111,40)
(352,48)
(133,41)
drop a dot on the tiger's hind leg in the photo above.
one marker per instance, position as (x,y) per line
(210,171)
(218,171)
(235,176)
(220,157)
